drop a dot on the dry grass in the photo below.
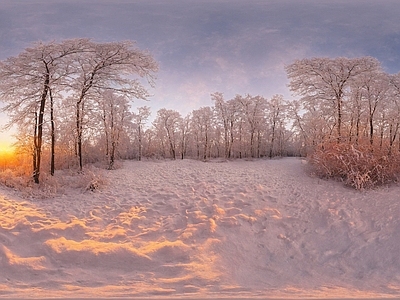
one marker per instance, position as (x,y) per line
(20,180)
(360,166)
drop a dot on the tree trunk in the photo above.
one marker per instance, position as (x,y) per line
(231,141)
(38,148)
(112,156)
(104,117)
(205,146)
(171,144)
(34,158)
(140,142)
(393,134)
(371,131)
(79,134)
(252,143)
(339,112)
(272,139)
(53,137)
(226,139)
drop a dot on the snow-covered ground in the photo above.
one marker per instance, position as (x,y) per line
(261,228)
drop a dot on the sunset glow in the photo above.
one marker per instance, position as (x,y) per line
(6,149)
(8,159)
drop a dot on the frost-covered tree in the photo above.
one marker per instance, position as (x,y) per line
(26,83)
(325,82)
(202,126)
(374,91)
(226,114)
(140,118)
(223,115)
(113,110)
(184,127)
(108,66)
(167,125)
(79,71)
(392,107)
(276,117)
(298,127)
(253,109)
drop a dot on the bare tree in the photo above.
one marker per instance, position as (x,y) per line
(78,69)
(227,113)
(184,126)
(26,83)
(108,66)
(394,114)
(140,119)
(253,109)
(202,120)
(222,111)
(276,114)
(374,88)
(114,113)
(357,111)
(167,122)
(328,80)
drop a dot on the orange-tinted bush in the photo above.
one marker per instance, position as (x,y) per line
(360,166)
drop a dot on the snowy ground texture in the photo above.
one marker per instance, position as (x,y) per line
(189,229)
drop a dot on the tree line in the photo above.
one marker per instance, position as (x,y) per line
(70,102)
(345,99)
(243,127)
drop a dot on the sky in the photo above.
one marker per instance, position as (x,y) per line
(206,46)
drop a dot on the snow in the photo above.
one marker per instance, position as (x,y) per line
(257,229)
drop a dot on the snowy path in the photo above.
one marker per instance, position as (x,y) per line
(186,228)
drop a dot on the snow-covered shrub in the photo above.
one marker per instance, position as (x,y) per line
(360,166)
(15,173)
(91,179)
(94,182)
(13,179)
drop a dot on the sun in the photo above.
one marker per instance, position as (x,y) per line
(6,149)
(8,157)
(7,154)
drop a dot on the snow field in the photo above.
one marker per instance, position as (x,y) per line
(261,228)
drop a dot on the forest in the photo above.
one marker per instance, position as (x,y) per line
(70,103)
